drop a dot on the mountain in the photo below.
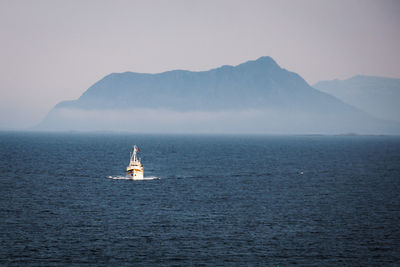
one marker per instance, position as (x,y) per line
(254,84)
(254,97)
(378,96)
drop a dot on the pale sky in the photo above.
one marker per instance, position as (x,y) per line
(54,50)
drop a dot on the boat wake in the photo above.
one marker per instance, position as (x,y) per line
(136,179)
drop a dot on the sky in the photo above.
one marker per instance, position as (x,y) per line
(54,50)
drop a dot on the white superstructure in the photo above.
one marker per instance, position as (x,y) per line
(135,167)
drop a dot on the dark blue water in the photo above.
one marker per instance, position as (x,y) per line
(220,200)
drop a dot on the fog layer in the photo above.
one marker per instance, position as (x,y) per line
(250,121)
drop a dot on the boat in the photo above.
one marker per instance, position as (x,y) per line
(135,167)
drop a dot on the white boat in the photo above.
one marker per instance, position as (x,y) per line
(135,167)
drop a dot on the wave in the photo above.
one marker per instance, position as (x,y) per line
(127,178)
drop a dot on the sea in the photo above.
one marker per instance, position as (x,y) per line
(213,200)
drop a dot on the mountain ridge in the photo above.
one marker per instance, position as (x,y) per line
(257,76)
(257,94)
(378,96)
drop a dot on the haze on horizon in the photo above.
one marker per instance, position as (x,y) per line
(54,50)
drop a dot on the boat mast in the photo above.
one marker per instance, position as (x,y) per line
(134,153)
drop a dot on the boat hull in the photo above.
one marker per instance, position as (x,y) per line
(135,174)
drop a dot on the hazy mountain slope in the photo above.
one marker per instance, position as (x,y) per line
(253,84)
(254,97)
(378,96)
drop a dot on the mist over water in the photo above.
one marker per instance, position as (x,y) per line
(246,121)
